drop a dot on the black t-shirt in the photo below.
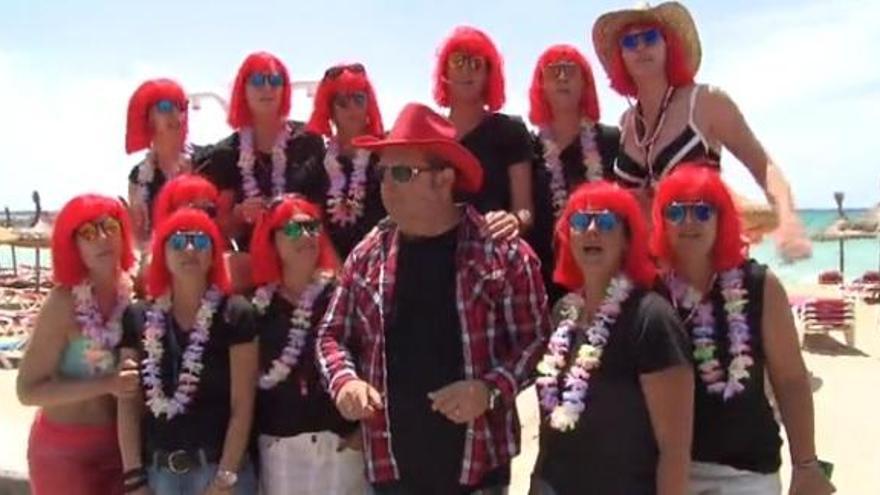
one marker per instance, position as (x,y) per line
(346,237)
(298,404)
(424,353)
(541,235)
(613,448)
(499,141)
(206,419)
(305,172)
(741,432)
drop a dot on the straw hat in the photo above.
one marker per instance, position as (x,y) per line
(672,16)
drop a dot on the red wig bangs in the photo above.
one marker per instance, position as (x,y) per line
(239,112)
(698,181)
(68,268)
(677,72)
(185,219)
(138,133)
(181,191)
(475,42)
(540,113)
(346,82)
(266,262)
(603,195)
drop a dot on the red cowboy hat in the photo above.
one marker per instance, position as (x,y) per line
(418,126)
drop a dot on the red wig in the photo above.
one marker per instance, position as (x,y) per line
(239,112)
(474,42)
(185,219)
(181,191)
(700,182)
(540,112)
(677,72)
(68,268)
(346,82)
(265,259)
(603,195)
(138,134)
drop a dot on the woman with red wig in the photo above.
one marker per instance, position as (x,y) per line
(157,122)
(615,386)
(346,99)
(267,155)
(187,430)
(653,54)
(70,367)
(572,147)
(305,444)
(737,314)
(469,79)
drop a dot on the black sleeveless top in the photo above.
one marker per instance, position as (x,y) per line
(741,432)
(689,146)
(571,158)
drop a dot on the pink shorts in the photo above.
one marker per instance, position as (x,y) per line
(73,459)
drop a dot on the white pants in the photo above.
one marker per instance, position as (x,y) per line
(310,464)
(717,479)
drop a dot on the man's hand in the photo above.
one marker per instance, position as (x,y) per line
(461,402)
(358,400)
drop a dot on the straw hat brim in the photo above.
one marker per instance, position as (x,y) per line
(672,16)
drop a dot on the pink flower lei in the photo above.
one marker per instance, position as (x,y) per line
(103,336)
(247,159)
(345,208)
(592,162)
(703,332)
(564,412)
(297,336)
(191,368)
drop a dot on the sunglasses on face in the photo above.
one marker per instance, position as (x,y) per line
(356,98)
(168,106)
(336,71)
(401,174)
(200,241)
(677,212)
(259,79)
(605,221)
(559,70)
(89,231)
(295,229)
(460,60)
(649,37)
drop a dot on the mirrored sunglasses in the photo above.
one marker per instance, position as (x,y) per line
(605,221)
(200,241)
(460,60)
(89,231)
(295,229)
(649,37)
(259,79)
(677,212)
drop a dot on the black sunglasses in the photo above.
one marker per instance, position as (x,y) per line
(337,70)
(402,174)
(356,98)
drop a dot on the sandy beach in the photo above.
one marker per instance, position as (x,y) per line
(846,382)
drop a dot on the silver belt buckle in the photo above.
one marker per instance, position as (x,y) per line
(179,462)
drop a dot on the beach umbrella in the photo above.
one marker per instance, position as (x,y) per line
(37,237)
(842,230)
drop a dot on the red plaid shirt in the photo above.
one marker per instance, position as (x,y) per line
(504,323)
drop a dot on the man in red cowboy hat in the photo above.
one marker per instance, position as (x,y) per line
(435,326)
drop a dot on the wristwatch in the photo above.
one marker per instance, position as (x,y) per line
(226,479)
(494,396)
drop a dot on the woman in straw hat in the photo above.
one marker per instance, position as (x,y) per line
(653,54)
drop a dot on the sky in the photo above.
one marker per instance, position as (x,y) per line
(802,72)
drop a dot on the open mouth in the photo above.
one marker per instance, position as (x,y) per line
(593,250)
(690,236)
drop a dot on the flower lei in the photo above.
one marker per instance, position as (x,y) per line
(191,368)
(345,209)
(592,162)
(247,158)
(103,336)
(564,412)
(703,334)
(147,171)
(300,324)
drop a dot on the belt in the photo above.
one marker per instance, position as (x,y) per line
(183,461)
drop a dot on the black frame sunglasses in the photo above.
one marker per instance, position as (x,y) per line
(678,211)
(402,173)
(337,70)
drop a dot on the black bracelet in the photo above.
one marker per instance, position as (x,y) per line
(130,487)
(135,473)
